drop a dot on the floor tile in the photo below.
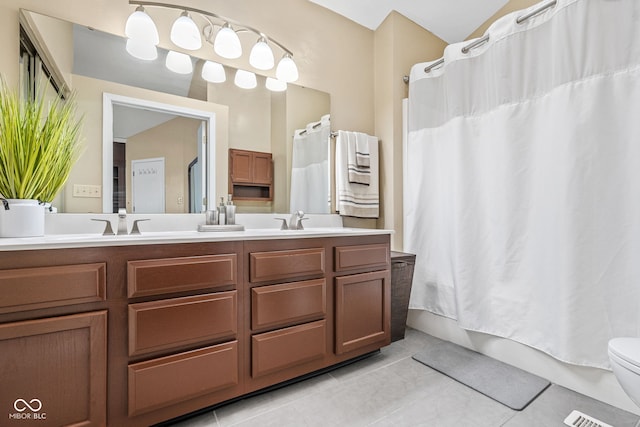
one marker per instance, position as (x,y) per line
(556,403)
(391,389)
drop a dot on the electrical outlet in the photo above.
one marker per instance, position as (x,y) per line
(180,200)
(86,190)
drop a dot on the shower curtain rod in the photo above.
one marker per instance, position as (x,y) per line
(478,42)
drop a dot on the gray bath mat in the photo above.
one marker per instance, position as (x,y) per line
(504,383)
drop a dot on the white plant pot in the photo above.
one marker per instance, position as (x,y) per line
(24,218)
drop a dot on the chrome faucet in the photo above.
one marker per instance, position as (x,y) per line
(122,221)
(295,223)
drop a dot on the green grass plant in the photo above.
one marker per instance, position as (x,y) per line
(39,144)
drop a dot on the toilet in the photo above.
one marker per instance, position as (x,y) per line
(624,355)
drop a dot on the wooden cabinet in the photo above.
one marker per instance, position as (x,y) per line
(288,308)
(137,335)
(190,344)
(54,370)
(250,175)
(363,300)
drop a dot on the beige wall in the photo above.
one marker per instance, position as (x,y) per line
(399,43)
(177,142)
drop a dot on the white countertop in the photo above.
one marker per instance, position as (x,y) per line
(57,238)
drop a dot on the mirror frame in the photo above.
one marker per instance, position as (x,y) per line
(110,99)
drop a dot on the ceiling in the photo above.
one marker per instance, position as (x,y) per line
(451,20)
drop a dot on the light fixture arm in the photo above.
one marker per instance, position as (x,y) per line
(205,14)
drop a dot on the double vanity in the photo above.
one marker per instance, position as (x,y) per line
(133,331)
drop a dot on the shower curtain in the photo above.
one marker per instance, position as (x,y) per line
(310,168)
(522,196)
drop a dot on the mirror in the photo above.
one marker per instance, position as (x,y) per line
(255,119)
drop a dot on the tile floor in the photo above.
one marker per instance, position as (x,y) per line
(391,389)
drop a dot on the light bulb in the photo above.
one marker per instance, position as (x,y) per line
(141,27)
(142,49)
(275,85)
(287,70)
(261,56)
(213,72)
(185,33)
(245,79)
(179,62)
(227,43)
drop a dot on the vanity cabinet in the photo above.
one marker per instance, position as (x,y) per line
(363,299)
(250,175)
(53,342)
(139,334)
(287,312)
(183,333)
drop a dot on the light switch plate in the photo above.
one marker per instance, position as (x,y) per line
(86,190)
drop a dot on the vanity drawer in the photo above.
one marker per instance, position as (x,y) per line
(163,276)
(41,287)
(169,380)
(279,265)
(177,322)
(281,305)
(284,348)
(362,256)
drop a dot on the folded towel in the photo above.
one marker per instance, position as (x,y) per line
(352,199)
(357,175)
(363,158)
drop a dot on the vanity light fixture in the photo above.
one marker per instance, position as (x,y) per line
(220,32)
(227,43)
(245,79)
(141,27)
(185,33)
(275,85)
(213,72)
(142,50)
(179,62)
(261,56)
(287,70)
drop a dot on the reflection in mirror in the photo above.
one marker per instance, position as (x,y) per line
(163,150)
(258,119)
(143,138)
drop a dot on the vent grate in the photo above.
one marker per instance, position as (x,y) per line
(578,419)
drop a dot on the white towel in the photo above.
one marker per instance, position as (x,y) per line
(363,157)
(356,200)
(357,175)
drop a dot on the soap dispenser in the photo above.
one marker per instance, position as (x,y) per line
(222,212)
(230,211)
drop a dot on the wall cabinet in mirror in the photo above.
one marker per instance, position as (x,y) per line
(250,175)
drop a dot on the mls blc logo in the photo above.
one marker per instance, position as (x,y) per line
(28,410)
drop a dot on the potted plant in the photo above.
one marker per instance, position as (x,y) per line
(38,146)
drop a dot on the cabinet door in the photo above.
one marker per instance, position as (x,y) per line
(53,370)
(262,168)
(363,310)
(241,166)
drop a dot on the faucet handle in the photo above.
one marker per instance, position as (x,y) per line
(300,227)
(135,229)
(108,231)
(283,226)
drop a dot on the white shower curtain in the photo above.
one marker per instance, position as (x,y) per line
(522,201)
(310,168)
